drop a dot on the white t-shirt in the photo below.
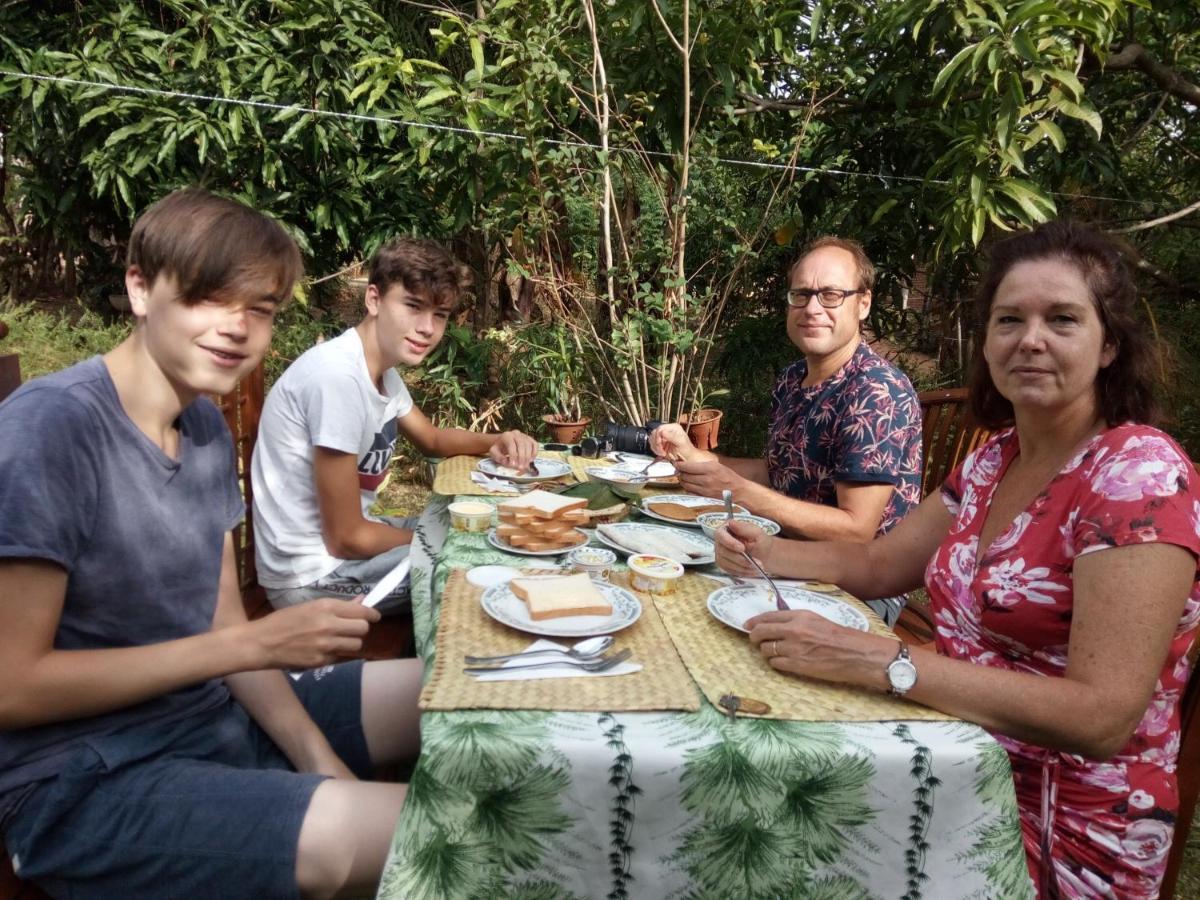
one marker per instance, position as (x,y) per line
(325,399)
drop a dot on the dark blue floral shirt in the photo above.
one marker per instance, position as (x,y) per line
(861,425)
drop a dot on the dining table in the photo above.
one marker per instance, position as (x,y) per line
(674,803)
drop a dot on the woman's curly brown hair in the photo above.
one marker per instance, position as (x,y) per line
(1125,388)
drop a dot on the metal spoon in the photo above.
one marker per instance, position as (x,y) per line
(588,648)
(596,664)
(780,603)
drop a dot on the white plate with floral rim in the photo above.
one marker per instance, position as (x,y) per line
(689,500)
(547,470)
(501,544)
(649,537)
(504,606)
(735,604)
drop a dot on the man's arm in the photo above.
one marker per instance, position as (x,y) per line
(267,696)
(509,448)
(40,684)
(348,534)
(856,517)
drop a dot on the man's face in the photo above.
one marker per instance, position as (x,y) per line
(820,332)
(408,326)
(208,346)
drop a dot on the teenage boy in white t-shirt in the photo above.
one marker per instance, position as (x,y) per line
(329,427)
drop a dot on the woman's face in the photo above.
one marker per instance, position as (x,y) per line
(1045,341)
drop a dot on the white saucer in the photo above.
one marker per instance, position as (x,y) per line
(490,576)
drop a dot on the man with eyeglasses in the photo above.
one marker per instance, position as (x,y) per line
(843,457)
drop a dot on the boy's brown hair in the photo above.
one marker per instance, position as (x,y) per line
(212,246)
(424,267)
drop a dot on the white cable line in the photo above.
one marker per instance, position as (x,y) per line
(503,135)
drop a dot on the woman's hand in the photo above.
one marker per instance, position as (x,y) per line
(312,634)
(737,538)
(804,643)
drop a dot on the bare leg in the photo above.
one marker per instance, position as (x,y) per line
(391,720)
(345,837)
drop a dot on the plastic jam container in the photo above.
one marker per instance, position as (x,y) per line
(596,562)
(655,574)
(471,515)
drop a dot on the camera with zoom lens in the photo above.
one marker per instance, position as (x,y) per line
(621,438)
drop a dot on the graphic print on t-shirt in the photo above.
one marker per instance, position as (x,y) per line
(372,468)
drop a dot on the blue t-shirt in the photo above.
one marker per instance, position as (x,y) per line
(140,535)
(860,425)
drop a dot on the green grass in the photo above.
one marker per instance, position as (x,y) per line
(47,342)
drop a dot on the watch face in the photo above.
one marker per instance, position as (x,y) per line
(902,674)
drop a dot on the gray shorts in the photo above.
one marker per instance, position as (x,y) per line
(355,578)
(888,608)
(204,807)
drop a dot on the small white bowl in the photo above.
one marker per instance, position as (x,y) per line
(710,522)
(622,482)
(596,562)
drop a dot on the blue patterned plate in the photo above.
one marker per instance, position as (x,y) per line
(735,604)
(504,606)
(547,469)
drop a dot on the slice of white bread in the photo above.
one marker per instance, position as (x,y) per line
(558,596)
(543,504)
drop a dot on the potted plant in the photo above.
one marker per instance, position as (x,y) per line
(703,422)
(702,426)
(556,366)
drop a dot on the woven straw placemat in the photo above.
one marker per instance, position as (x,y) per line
(454,475)
(465,628)
(723,661)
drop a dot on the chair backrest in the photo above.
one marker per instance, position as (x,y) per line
(948,435)
(242,408)
(1187,771)
(10,368)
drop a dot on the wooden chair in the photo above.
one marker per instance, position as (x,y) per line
(1188,772)
(10,369)
(948,434)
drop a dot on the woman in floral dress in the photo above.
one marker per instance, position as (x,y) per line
(1060,561)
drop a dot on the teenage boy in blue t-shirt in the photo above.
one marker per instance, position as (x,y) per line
(150,744)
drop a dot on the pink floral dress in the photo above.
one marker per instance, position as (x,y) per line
(1107,826)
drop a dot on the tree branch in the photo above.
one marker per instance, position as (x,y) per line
(1135,56)
(1161,220)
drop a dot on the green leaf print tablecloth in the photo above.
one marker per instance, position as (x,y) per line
(545,805)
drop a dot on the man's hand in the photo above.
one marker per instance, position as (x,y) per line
(709,478)
(737,538)
(515,450)
(670,441)
(312,634)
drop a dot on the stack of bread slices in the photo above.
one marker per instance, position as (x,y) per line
(540,521)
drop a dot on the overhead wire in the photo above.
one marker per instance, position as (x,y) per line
(499,135)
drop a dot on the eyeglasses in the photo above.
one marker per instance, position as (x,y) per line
(830,298)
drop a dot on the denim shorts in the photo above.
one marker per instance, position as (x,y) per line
(205,807)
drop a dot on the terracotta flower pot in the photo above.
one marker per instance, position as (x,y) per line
(565,431)
(702,427)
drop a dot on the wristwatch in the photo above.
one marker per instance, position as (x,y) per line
(901,672)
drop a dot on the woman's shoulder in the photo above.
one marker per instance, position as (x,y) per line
(1131,461)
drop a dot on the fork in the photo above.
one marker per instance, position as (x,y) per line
(780,603)
(596,665)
